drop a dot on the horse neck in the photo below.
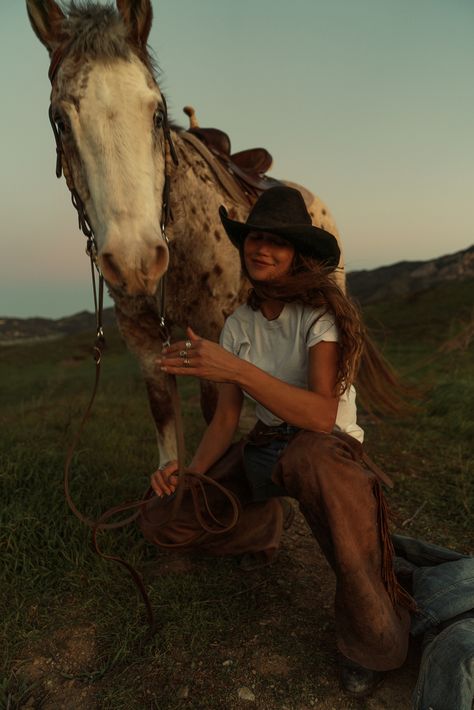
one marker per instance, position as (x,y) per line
(196,193)
(204,276)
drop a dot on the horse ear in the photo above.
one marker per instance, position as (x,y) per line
(46,18)
(138,16)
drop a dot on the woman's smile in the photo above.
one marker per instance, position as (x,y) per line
(261,262)
(267,256)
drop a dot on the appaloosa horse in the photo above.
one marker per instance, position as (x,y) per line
(110,119)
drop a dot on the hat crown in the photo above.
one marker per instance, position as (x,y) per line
(281,210)
(278,207)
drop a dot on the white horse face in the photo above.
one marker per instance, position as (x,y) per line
(109,109)
(112,133)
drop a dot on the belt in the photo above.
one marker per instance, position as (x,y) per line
(263,433)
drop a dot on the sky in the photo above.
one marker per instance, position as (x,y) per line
(368,103)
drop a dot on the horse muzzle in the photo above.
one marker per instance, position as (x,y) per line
(137,276)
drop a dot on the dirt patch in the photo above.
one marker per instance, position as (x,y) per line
(60,672)
(285,660)
(267,663)
(169,563)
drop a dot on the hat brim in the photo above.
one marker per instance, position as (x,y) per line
(306,238)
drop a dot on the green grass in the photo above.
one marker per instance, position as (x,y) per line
(208,611)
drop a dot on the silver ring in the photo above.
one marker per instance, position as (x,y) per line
(188,345)
(183,353)
(186,362)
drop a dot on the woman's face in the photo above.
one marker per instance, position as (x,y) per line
(267,256)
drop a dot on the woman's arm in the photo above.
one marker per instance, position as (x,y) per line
(219,434)
(314,409)
(214,443)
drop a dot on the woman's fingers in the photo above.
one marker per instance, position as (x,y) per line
(161,488)
(194,337)
(191,343)
(163,481)
(180,357)
(209,361)
(169,467)
(157,483)
(197,357)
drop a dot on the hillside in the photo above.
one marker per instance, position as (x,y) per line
(23,330)
(406,278)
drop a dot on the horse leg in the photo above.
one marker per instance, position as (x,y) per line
(163,416)
(141,334)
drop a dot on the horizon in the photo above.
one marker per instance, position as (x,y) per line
(368,106)
(108,304)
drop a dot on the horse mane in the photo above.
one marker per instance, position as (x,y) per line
(96,31)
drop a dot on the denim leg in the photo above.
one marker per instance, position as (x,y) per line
(260,460)
(446,679)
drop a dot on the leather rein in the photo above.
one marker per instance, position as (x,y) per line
(187,480)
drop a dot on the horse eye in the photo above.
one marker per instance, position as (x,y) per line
(158,118)
(61,125)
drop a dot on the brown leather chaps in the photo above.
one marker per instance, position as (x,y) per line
(341,499)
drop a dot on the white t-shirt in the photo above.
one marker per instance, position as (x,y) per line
(280,347)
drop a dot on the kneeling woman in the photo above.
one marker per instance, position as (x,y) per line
(294,349)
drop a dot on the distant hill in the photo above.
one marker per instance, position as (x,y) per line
(15,330)
(368,286)
(409,277)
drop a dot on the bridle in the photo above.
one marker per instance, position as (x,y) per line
(195,481)
(62,165)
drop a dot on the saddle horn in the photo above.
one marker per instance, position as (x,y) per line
(191,113)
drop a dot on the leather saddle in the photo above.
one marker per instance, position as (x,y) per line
(247,167)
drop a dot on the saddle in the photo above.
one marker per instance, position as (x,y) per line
(247,167)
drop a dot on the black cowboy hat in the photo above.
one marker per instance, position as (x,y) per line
(281,210)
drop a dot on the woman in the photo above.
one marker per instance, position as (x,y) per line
(294,349)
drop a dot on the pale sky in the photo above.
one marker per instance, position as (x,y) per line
(369,103)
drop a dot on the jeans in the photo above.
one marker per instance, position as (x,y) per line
(446,678)
(443,586)
(260,460)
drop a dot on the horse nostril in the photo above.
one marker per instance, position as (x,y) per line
(110,270)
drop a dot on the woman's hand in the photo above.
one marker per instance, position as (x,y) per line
(163,481)
(200,358)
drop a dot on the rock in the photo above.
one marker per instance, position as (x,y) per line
(227,663)
(246,694)
(183,692)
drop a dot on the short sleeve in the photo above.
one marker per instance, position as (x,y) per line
(323,329)
(226,338)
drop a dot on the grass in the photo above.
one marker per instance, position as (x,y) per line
(72,623)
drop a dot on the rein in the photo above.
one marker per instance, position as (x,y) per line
(187,480)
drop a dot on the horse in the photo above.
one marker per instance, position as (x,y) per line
(109,115)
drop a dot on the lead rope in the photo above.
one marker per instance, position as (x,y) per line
(186,479)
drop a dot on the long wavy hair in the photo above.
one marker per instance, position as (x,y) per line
(310,282)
